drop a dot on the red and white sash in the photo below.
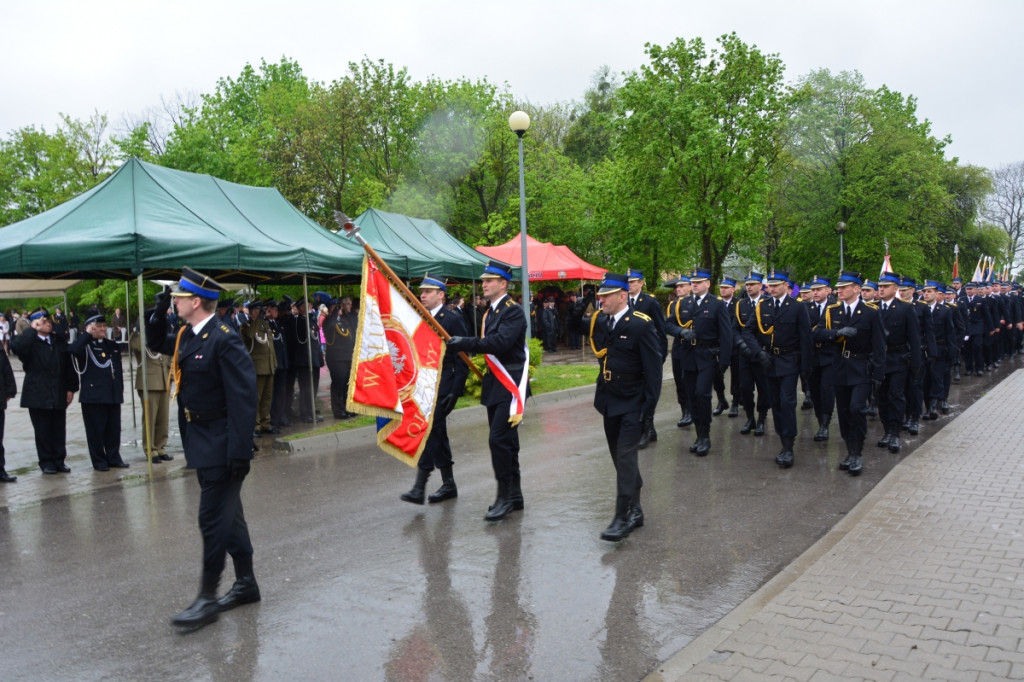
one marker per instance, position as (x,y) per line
(515,410)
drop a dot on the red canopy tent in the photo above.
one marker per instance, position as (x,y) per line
(546,261)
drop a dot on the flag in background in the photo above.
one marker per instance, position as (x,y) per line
(956,261)
(977,271)
(886,263)
(396,367)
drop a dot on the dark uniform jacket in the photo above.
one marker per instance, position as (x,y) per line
(8,386)
(926,328)
(858,359)
(303,333)
(340,338)
(504,337)
(677,322)
(710,322)
(903,336)
(630,376)
(99,362)
(217,396)
(978,319)
(280,345)
(784,334)
(824,351)
(48,371)
(650,307)
(454,370)
(944,328)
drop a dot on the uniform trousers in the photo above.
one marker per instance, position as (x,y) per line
(339,388)
(503,440)
(305,406)
(782,393)
(914,392)
(50,427)
(823,392)
(221,520)
(623,435)
(677,375)
(102,423)
(751,377)
(989,348)
(937,375)
(698,383)
(437,451)
(279,403)
(734,378)
(892,399)
(852,408)
(264,398)
(3,420)
(157,416)
(973,358)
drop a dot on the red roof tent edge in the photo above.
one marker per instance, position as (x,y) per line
(546,261)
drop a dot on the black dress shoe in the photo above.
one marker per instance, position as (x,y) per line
(64,468)
(619,529)
(944,407)
(913,428)
(747,427)
(703,447)
(956,377)
(885,440)
(499,510)
(856,465)
(156,460)
(203,611)
(894,444)
(686,420)
(721,407)
(6,477)
(822,434)
(121,464)
(101,467)
(845,464)
(244,591)
(785,459)
(872,411)
(165,457)
(49,471)
(447,491)
(693,448)
(734,411)
(759,429)
(636,516)
(807,404)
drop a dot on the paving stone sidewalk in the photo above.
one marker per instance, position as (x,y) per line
(922,580)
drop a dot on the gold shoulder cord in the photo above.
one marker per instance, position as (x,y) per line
(770,332)
(593,322)
(688,325)
(175,373)
(737,306)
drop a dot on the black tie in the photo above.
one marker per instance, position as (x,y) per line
(632,302)
(849,312)
(777,305)
(611,324)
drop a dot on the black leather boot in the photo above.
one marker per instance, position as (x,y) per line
(417,494)
(785,458)
(734,411)
(502,504)
(622,525)
(722,405)
(447,491)
(748,425)
(885,440)
(913,428)
(649,434)
(686,420)
(515,493)
(944,407)
(856,465)
(807,404)
(823,428)
(245,590)
(703,441)
(759,427)
(894,444)
(204,609)
(933,410)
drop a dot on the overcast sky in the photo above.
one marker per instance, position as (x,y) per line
(962,60)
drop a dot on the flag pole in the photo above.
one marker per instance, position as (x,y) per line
(352,231)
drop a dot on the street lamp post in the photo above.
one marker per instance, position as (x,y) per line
(519,121)
(841,228)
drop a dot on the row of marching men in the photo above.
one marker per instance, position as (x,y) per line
(854,345)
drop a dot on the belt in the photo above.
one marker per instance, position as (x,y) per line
(784,350)
(214,415)
(609,375)
(705,343)
(898,348)
(856,356)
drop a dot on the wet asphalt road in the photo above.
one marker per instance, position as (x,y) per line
(360,586)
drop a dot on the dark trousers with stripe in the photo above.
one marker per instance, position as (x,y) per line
(102,432)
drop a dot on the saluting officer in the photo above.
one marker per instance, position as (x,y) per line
(902,355)
(702,325)
(751,372)
(649,306)
(259,341)
(157,410)
(340,340)
(282,325)
(437,451)
(506,385)
(97,360)
(307,347)
(822,382)
(216,390)
(628,385)
(781,328)
(855,328)
(682,289)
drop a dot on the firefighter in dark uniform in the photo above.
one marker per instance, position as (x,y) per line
(936,380)
(649,306)
(990,342)
(822,383)
(915,383)
(259,341)
(702,325)
(49,385)
(628,385)
(726,291)
(503,339)
(855,327)
(340,327)
(869,294)
(751,372)
(978,325)
(781,328)
(216,393)
(97,360)
(307,348)
(957,309)
(682,289)
(902,355)
(282,325)
(8,389)
(437,452)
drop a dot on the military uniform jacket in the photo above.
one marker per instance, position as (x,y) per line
(98,362)
(280,345)
(861,358)
(903,336)
(650,307)
(959,319)
(925,327)
(454,370)
(824,351)
(259,341)
(945,332)
(48,371)
(8,386)
(710,322)
(630,376)
(303,333)
(978,319)
(784,334)
(673,324)
(158,366)
(217,396)
(504,337)
(730,312)
(340,337)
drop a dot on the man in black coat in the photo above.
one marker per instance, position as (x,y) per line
(97,360)
(979,323)
(216,385)
(702,326)
(506,384)
(9,389)
(437,451)
(751,372)
(855,328)
(822,382)
(282,325)
(682,288)
(307,349)
(902,355)
(649,306)
(49,386)
(944,331)
(781,328)
(628,386)
(340,339)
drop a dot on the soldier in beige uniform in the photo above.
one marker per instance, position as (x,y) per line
(158,369)
(259,341)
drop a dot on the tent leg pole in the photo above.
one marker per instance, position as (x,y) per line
(147,441)
(309,344)
(131,367)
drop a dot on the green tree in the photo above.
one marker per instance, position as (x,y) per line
(591,133)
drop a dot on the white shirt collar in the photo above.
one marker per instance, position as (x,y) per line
(199,325)
(433,313)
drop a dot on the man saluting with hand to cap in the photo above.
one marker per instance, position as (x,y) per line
(216,384)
